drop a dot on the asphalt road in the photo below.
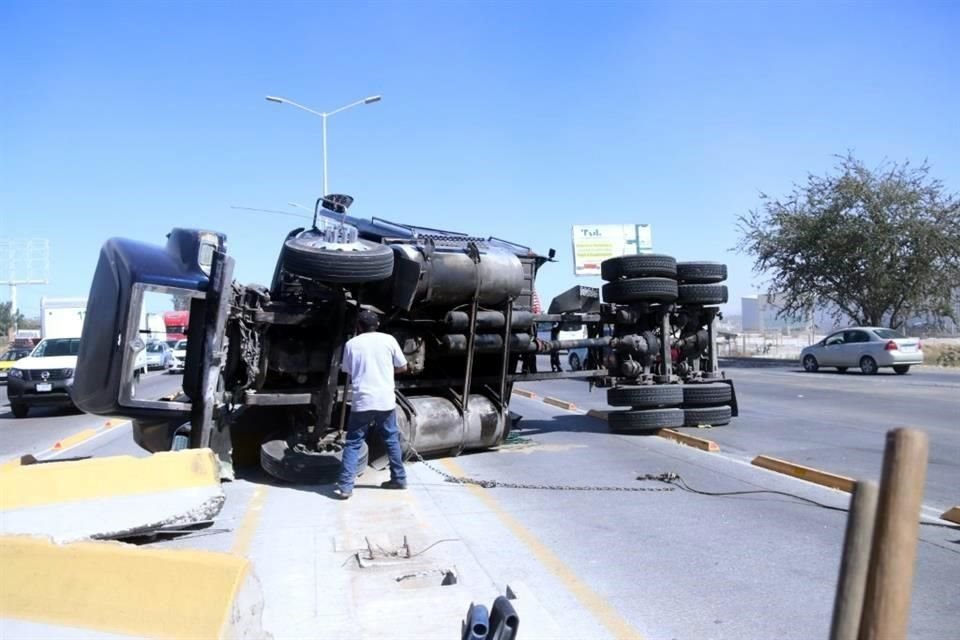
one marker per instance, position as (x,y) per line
(44,426)
(830,421)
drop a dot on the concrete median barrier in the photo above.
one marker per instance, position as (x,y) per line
(114,590)
(109,497)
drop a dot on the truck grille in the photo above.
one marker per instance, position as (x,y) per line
(36,375)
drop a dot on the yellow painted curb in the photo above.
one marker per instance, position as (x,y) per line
(563,404)
(122,589)
(524,393)
(45,484)
(824,478)
(691,441)
(953,515)
(75,439)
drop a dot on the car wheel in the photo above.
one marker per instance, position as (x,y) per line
(358,262)
(641,396)
(842,369)
(901,369)
(638,266)
(868,365)
(19,410)
(661,290)
(575,364)
(810,364)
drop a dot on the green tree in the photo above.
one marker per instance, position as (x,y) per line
(8,319)
(876,245)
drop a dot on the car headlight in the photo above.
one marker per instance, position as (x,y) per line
(16,373)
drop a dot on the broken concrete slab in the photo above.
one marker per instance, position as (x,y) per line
(110,497)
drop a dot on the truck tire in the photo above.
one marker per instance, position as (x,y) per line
(639,266)
(644,420)
(643,396)
(702,294)
(362,261)
(701,272)
(19,409)
(289,465)
(714,416)
(662,290)
(706,395)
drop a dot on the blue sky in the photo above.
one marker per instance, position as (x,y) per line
(508,119)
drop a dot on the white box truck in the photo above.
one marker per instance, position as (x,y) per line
(62,317)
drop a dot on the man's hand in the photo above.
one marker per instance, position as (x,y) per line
(400,369)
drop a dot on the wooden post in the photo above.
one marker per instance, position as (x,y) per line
(855,564)
(886,606)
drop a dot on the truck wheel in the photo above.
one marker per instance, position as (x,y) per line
(300,467)
(638,266)
(702,294)
(665,395)
(362,261)
(644,420)
(660,290)
(19,410)
(714,416)
(701,272)
(706,395)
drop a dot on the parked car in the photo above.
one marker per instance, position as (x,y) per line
(179,356)
(45,377)
(868,348)
(159,356)
(10,357)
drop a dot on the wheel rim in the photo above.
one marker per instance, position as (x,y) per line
(810,363)
(867,365)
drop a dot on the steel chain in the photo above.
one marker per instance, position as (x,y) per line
(491,484)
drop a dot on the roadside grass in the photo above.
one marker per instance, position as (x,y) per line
(944,355)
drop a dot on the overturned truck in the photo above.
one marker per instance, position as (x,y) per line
(262,381)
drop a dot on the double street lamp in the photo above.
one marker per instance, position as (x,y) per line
(323,116)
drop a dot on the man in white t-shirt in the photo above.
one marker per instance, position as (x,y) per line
(371,359)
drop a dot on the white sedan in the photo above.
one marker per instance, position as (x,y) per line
(868,348)
(179,356)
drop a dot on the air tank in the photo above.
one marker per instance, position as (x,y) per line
(436,425)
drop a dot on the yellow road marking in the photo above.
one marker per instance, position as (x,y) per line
(75,439)
(609,617)
(251,519)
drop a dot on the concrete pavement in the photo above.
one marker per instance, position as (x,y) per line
(587,564)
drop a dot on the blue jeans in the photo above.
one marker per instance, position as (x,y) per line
(357,426)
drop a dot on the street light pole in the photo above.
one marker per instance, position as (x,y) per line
(323,116)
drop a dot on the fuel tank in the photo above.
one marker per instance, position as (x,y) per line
(447,277)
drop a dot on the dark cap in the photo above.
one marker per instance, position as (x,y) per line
(367,320)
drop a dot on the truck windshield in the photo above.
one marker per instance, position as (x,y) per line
(57,347)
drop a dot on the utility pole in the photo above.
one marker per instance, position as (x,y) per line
(26,262)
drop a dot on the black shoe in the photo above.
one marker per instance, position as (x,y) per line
(340,494)
(393,484)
